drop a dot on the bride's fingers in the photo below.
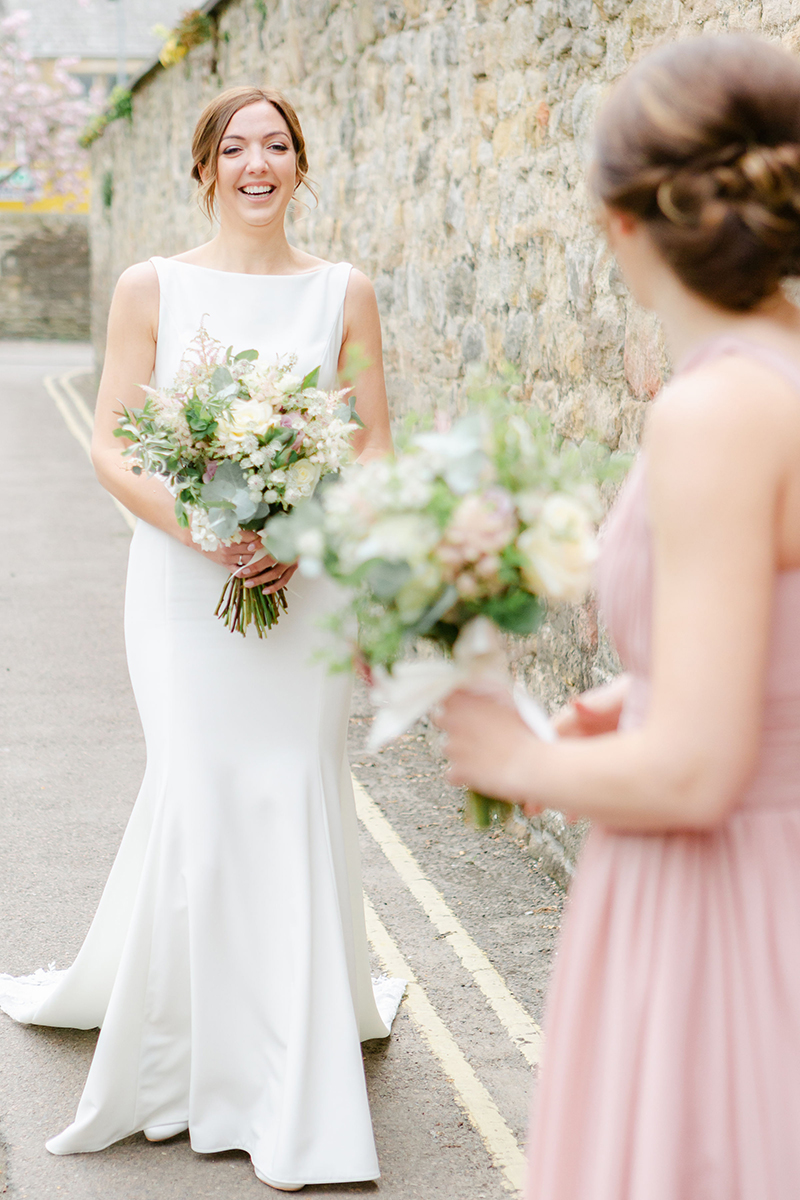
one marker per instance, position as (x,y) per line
(238,560)
(263,576)
(256,570)
(273,577)
(282,581)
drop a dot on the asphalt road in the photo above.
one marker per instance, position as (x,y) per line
(71,757)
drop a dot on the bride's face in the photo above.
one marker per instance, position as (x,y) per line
(256,166)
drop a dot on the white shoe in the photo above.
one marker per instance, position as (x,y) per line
(160,1133)
(279,1187)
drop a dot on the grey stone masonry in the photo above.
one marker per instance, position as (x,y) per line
(449,142)
(44,275)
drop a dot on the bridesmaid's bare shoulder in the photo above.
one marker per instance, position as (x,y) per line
(734,397)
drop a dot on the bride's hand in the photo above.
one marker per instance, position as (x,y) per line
(594,712)
(267,574)
(234,556)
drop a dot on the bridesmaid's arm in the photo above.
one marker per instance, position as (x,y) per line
(593,712)
(130,359)
(722,455)
(362,349)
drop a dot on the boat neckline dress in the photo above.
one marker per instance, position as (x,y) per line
(227,963)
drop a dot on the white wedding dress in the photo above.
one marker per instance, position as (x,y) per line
(227,963)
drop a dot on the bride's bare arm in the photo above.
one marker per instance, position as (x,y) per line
(130,358)
(722,454)
(362,348)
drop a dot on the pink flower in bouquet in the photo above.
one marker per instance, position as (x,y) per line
(481,526)
(468,586)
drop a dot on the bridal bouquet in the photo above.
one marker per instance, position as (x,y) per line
(463,536)
(237,442)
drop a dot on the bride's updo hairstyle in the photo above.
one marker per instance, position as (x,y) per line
(210,130)
(701,140)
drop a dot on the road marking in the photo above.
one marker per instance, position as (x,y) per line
(78,427)
(470,1092)
(72,424)
(524,1033)
(76,398)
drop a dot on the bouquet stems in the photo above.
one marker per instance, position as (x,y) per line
(482,811)
(240,606)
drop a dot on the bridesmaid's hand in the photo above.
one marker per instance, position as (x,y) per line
(487,743)
(594,712)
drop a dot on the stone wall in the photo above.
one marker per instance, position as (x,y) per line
(44,275)
(449,141)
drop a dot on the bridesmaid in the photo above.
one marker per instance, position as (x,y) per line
(672,1065)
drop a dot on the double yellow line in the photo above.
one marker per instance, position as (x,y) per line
(78,420)
(523,1033)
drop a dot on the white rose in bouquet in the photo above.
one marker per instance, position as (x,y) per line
(404,537)
(559,549)
(301,479)
(288,384)
(420,591)
(245,419)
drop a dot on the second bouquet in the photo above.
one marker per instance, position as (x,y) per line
(237,442)
(461,539)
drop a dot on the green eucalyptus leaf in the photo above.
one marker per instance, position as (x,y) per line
(434,614)
(223,522)
(228,480)
(263,511)
(245,506)
(347,412)
(385,578)
(310,380)
(221,378)
(283,529)
(245,355)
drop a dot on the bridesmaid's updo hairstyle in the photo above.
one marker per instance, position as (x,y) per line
(701,140)
(210,130)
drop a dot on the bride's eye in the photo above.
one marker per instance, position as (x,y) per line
(278,146)
(231,150)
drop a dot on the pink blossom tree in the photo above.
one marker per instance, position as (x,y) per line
(41,117)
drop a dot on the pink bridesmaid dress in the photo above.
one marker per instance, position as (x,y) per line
(672,1056)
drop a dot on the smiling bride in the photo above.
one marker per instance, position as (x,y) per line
(227,963)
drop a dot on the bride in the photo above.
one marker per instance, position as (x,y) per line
(227,963)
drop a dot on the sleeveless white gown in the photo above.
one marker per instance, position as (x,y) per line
(227,962)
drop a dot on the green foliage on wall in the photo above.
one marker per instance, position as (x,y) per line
(120,104)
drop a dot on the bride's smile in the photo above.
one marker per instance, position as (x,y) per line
(256,166)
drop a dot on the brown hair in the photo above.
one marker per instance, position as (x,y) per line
(210,130)
(701,140)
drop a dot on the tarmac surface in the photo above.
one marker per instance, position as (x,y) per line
(449,1091)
